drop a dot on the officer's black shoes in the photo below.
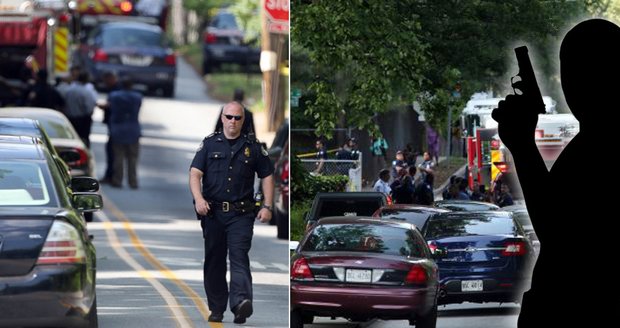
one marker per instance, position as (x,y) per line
(216,317)
(242,311)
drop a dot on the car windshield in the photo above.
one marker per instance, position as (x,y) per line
(343,207)
(124,37)
(364,238)
(456,227)
(22,184)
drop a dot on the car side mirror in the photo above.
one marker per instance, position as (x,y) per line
(84,184)
(87,202)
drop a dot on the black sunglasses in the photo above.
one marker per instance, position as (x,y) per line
(236,117)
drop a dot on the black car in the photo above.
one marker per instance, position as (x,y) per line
(47,259)
(136,50)
(224,44)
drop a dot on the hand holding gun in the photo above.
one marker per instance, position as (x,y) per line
(517,115)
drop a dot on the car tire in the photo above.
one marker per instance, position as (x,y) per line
(307,319)
(296,319)
(93,321)
(429,320)
(88,216)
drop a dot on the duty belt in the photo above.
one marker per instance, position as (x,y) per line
(240,206)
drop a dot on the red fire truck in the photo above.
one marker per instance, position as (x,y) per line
(33,35)
(490,162)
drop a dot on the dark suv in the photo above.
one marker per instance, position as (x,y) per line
(224,44)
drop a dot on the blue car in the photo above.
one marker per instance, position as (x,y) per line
(482,256)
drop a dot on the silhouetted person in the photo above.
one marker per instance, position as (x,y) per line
(573,284)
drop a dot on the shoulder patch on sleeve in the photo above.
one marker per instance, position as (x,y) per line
(202,144)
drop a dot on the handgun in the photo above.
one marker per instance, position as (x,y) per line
(527,84)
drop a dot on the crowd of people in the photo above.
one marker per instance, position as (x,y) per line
(76,97)
(406,182)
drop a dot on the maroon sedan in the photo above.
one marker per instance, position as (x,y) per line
(362,268)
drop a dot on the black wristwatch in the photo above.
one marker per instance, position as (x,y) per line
(270,208)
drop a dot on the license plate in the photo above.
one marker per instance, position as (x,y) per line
(358,275)
(471,286)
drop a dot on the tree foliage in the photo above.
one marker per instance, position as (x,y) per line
(367,55)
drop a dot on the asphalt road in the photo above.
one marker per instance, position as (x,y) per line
(149,244)
(466,315)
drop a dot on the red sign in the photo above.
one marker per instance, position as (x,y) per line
(277,14)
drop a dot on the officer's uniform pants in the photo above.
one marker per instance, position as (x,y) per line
(233,235)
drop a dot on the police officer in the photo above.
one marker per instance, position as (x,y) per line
(221,182)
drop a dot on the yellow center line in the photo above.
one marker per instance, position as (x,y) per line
(149,257)
(177,312)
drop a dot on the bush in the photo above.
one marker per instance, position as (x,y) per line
(298,222)
(305,186)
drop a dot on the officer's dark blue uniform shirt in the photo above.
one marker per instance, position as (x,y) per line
(229,171)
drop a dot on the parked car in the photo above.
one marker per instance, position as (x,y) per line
(344,204)
(47,259)
(66,147)
(362,268)
(519,212)
(281,195)
(19,126)
(136,50)
(414,214)
(224,44)
(466,205)
(62,136)
(482,256)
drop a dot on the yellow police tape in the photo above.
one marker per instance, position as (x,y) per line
(314,153)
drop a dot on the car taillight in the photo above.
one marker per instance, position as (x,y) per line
(63,245)
(301,270)
(416,275)
(210,38)
(170,60)
(100,56)
(514,248)
(83,160)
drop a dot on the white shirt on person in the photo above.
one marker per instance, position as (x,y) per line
(382,186)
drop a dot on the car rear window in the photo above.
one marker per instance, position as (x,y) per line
(417,218)
(57,130)
(225,21)
(344,207)
(124,37)
(365,238)
(22,184)
(456,227)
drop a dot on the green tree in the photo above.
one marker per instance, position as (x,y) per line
(368,56)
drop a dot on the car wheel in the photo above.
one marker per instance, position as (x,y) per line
(296,319)
(427,321)
(88,216)
(93,322)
